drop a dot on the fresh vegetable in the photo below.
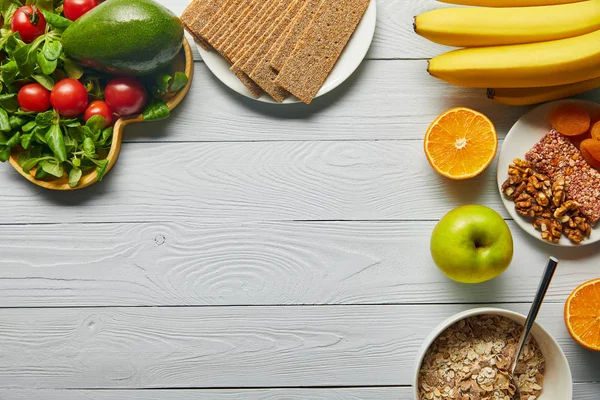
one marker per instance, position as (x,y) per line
(34,98)
(69,97)
(125,96)
(100,108)
(76,8)
(29,23)
(72,138)
(125,37)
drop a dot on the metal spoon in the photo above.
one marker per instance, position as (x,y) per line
(533,313)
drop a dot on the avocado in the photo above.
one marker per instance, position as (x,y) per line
(129,37)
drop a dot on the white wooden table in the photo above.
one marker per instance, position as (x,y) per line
(246,251)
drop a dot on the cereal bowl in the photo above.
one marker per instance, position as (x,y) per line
(557,383)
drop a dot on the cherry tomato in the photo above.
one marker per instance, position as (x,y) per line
(69,97)
(76,8)
(125,96)
(99,107)
(22,23)
(34,97)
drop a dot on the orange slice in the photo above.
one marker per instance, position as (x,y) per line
(461,143)
(582,315)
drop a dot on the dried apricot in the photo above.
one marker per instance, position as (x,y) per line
(590,149)
(595,131)
(571,120)
(577,140)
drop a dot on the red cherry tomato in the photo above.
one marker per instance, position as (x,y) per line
(125,96)
(34,97)
(22,23)
(99,107)
(76,8)
(69,97)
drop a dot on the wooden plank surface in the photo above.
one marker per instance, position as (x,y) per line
(231,347)
(378,102)
(172,264)
(582,391)
(215,182)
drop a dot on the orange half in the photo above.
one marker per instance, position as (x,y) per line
(582,315)
(461,143)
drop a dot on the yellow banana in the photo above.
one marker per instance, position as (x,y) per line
(486,26)
(527,96)
(558,62)
(509,3)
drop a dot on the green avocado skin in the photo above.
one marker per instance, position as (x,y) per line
(130,37)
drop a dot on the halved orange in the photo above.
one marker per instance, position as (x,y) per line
(582,315)
(461,143)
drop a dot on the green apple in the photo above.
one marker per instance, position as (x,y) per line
(472,244)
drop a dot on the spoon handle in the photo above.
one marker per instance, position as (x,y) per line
(535,308)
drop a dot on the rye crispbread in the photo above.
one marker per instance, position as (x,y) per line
(197,15)
(238,25)
(219,19)
(258,68)
(249,28)
(286,46)
(320,46)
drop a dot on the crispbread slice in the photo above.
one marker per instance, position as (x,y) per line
(250,27)
(197,15)
(286,46)
(258,68)
(237,26)
(258,36)
(233,16)
(219,19)
(320,46)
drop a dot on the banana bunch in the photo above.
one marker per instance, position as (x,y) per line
(523,51)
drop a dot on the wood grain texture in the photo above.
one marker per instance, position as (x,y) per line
(582,391)
(166,264)
(386,99)
(226,347)
(216,182)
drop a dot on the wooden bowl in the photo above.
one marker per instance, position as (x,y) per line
(183,62)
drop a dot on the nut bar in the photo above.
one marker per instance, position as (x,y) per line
(557,157)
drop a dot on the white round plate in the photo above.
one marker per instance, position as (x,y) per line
(353,54)
(529,130)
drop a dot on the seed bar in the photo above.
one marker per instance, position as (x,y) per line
(557,157)
(287,44)
(320,46)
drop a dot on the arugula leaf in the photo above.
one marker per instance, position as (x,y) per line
(75,176)
(52,49)
(89,148)
(179,81)
(4,153)
(14,140)
(101,169)
(26,140)
(45,81)
(26,59)
(40,173)
(17,121)
(47,66)
(4,121)
(10,70)
(28,127)
(56,141)
(96,123)
(72,69)
(53,167)
(45,119)
(162,83)
(156,112)
(56,20)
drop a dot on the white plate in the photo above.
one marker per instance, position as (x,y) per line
(353,54)
(529,130)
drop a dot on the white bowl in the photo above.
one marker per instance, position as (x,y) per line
(558,383)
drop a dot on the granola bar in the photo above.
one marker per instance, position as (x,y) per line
(557,157)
